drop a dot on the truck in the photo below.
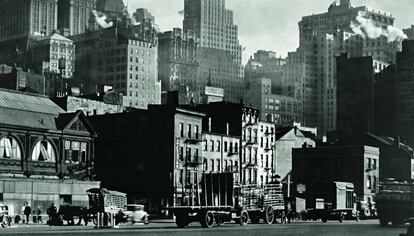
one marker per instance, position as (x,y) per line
(219,199)
(395,202)
(330,201)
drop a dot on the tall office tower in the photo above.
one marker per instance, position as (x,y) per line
(125,61)
(265,64)
(74,16)
(112,8)
(405,97)
(311,70)
(177,64)
(143,15)
(219,52)
(22,18)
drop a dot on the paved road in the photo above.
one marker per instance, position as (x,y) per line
(362,228)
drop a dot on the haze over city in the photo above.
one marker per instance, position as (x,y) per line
(270,24)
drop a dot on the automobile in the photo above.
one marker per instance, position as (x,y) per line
(5,219)
(135,214)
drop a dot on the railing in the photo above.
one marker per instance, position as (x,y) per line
(193,140)
(193,161)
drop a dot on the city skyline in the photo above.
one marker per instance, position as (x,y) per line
(254,33)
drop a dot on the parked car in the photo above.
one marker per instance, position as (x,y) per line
(5,219)
(135,213)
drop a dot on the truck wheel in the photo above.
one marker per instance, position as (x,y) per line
(324,219)
(269,215)
(207,219)
(5,222)
(244,218)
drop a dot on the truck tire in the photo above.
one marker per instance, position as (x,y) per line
(244,218)
(269,215)
(220,219)
(207,219)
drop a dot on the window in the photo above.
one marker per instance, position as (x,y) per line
(44,151)
(236,147)
(181,130)
(261,141)
(212,165)
(374,164)
(369,182)
(218,166)
(188,154)
(218,146)
(225,146)
(181,154)
(205,163)
(212,145)
(196,132)
(188,131)
(369,163)
(9,148)
(205,145)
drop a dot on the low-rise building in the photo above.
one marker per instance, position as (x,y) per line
(355,164)
(162,147)
(46,155)
(288,138)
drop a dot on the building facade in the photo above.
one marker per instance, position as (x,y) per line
(276,108)
(123,60)
(355,164)
(74,16)
(288,138)
(177,64)
(356,93)
(23,18)
(311,71)
(88,106)
(47,156)
(15,78)
(405,97)
(220,53)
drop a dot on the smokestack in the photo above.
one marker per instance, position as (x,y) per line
(209,124)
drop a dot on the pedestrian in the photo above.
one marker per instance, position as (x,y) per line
(51,212)
(27,211)
(22,212)
(39,215)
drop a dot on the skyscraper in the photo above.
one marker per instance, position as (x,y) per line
(22,18)
(219,52)
(74,16)
(311,70)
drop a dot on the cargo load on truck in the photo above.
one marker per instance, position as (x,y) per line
(219,200)
(395,202)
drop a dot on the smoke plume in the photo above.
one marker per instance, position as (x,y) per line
(366,28)
(102,20)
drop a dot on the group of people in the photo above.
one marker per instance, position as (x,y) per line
(27,211)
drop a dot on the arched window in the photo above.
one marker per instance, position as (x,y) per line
(43,151)
(9,148)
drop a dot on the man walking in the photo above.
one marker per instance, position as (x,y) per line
(27,211)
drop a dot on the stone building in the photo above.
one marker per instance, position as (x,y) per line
(219,53)
(46,155)
(121,59)
(177,64)
(23,18)
(74,16)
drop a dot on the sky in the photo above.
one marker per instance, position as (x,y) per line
(271,24)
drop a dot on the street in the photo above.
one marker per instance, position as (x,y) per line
(362,228)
